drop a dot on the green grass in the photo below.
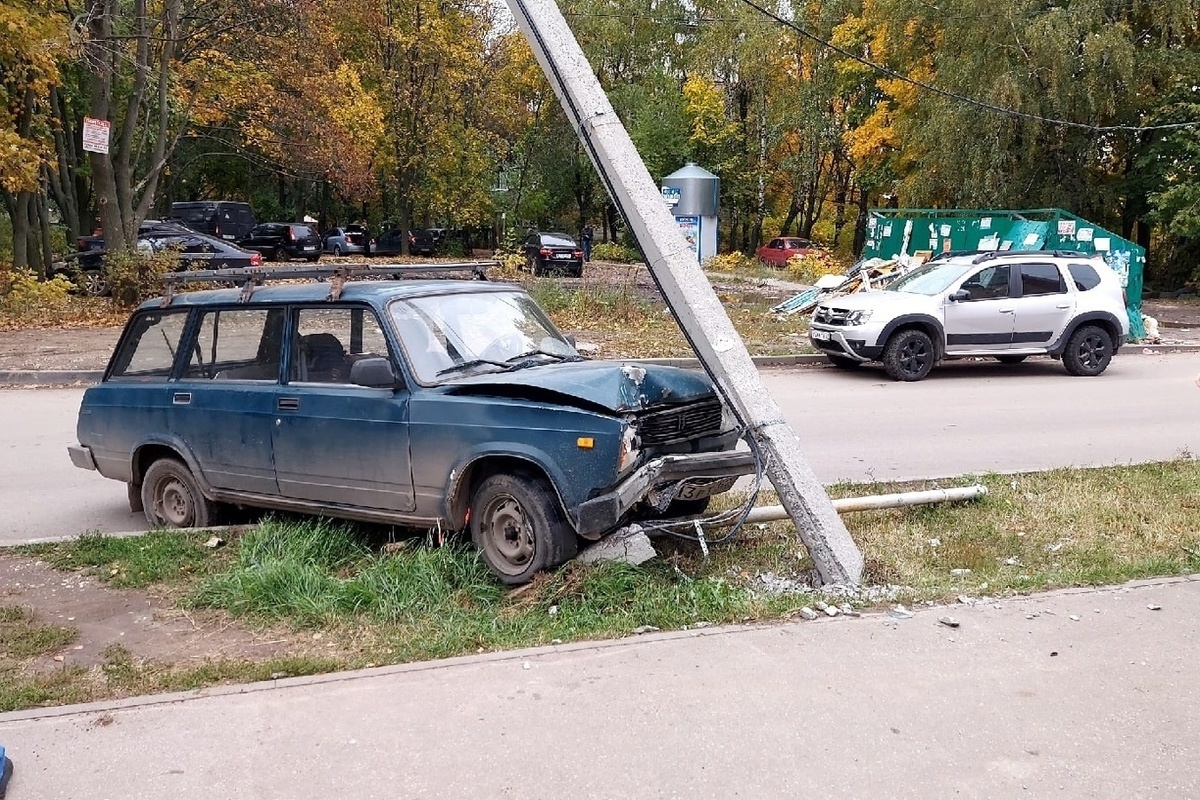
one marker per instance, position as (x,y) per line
(369,606)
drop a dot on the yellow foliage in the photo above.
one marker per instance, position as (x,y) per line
(24,297)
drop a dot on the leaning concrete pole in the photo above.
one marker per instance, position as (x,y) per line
(687,291)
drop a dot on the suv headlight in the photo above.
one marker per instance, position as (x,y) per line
(858,317)
(630,449)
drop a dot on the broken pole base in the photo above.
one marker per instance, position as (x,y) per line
(628,545)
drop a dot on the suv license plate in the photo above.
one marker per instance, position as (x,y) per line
(310,247)
(706,487)
(820,336)
(563,255)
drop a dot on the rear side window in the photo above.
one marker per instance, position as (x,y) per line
(1041,279)
(148,351)
(1084,276)
(240,344)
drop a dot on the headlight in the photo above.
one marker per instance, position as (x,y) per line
(858,317)
(630,449)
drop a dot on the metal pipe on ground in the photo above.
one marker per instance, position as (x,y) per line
(876,501)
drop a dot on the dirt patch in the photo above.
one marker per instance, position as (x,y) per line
(144,624)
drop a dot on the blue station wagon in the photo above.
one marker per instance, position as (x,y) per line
(451,404)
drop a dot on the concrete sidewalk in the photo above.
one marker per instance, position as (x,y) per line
(1083,693)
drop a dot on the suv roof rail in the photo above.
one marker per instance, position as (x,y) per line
(250,277)
(990,254)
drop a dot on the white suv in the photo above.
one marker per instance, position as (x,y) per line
(1007,305)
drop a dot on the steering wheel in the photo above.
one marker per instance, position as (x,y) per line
(504,348)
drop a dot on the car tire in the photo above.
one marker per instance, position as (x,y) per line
(1089,351)
(337,250)
(94,283)
(577,272)
(280,254)
(171,497)
(842,362)
(909,355)
(535,267)
(519,527)
(1011,359)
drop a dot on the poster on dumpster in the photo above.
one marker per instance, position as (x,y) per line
(690,228)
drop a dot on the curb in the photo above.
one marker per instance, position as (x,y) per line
(30,377)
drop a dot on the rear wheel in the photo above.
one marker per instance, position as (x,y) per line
(909,355)
(1011,359)
(280,254)
(94,283)
(1088,352)
(171,497)
(337,250)
(519,527)
(841,362)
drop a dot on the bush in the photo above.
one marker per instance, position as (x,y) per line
(24,297)
(135,275)
(730,262)
(807,269)
(612,251)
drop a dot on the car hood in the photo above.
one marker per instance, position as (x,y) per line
(878,299)
(611,385)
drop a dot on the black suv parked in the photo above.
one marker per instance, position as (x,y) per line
(279,241)
(224,219)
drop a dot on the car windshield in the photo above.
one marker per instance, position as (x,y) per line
(557,240)
(447,336)
(929,279)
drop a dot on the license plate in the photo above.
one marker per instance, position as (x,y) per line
(706,487)
(310,247)
(563,255)
(820,336)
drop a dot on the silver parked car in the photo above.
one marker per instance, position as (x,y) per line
(1007,305)
(346,240)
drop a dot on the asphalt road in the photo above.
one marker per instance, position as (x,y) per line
(968,417)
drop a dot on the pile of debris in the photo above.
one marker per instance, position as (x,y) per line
(871,273)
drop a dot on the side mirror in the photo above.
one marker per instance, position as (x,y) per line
(376,373)
(959,296)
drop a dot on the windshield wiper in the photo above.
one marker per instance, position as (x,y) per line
(474,362)
(539,352)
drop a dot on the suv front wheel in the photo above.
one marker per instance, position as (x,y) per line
(1088,351)
(909,355)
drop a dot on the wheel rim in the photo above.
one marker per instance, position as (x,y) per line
(94,283)
(507,536)
(173,503)
(913,357)
(1093,351)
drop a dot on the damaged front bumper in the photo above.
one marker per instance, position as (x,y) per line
(658,482)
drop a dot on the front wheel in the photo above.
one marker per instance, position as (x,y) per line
(94,283)
(909,355)
(1088,352)
(519,527)
(171,497)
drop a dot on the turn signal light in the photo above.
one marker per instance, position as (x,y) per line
(585,442)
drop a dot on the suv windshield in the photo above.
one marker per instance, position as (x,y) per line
(928,279)
(449,335)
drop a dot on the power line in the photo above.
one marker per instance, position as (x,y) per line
(960,97)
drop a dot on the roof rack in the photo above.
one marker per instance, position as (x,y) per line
(987,255)
(250,277)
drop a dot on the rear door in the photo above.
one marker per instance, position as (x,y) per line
(336,442)
(1044,306)
(223,403)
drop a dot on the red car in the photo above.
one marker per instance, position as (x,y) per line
(776,252)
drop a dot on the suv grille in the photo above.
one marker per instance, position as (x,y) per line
(830,316)
(680,423)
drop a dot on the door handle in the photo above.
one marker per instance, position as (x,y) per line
(288,403)
(1063,307)
(1005,310)
(182,398)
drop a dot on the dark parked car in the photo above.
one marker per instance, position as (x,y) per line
(196,251)
(454,404)
(553,252)
(280,241)
(225,219)
(391,243)
(347,240)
